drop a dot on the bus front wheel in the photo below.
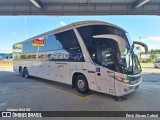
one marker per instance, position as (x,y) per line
(82,84)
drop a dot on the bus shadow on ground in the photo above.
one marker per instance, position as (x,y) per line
(11,77)
(68,88)
(62,87)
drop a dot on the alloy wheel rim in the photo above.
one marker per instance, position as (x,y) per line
(81,84)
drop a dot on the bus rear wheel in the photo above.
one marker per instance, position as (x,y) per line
(26,73)
(82,84)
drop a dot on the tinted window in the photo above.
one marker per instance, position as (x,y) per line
(24,47)
(87,32)
(51,43)
(68,46)
(28,48)
(33,56)
(31,48)
(23,56)
(68,40)
(28,56)
(102,51)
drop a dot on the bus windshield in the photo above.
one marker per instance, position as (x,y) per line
(128,63)
(109,52)
(129,60)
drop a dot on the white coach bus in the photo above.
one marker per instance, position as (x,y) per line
(89,55)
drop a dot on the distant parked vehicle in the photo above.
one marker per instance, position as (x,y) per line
(157,64)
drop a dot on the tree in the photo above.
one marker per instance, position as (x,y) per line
(153,57)
(152,51)
(138,48)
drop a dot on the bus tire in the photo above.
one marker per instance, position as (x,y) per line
(82,84)
(26,73)
(21,71)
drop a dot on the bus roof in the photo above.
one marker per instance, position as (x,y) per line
(75,24)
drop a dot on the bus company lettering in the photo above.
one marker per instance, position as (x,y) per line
(58,56)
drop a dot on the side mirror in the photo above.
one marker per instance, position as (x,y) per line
(141,44)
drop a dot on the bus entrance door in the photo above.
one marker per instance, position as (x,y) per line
(105,80)
(105,72)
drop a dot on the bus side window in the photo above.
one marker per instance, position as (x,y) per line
(68,40)
(51,43)
(23,56)
(104,55)
(69,43)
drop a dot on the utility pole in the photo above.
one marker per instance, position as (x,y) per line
(140,50)
(25,27)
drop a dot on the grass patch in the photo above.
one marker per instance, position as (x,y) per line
(6,63)
(147,64)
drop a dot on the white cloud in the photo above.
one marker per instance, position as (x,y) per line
(153,38)
(152,42)
(5,50)
(13,33)
(154,47)
(62,23)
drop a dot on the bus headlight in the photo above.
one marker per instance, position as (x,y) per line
(122,79)
(126,81)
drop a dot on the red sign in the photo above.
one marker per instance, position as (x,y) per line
(38,42)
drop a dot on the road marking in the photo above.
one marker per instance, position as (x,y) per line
(59,90)
(75,95)
(2,104)
(88,96)
(150,89)
(39,86)
(65,92)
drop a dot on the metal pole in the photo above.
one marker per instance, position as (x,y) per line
(25,27)
(140,50)
(37,52)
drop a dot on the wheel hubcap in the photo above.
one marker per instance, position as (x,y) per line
(81,84)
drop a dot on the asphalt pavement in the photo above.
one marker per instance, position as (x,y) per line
(42,95)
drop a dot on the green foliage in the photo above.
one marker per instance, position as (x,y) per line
(138,47)
(156,51)
(146,61)
(142,52)
(153,56)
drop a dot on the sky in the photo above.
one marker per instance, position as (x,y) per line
(13,27)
